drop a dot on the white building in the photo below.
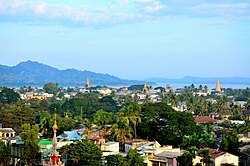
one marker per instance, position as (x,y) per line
(110,148)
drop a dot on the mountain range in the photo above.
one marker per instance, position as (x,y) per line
(32,73)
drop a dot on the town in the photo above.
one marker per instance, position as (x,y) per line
(138,125)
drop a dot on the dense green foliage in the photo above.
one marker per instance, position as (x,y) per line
(135,87)
(8,96)
(132,159)
(87,104)
(4,154)
(15,115)
(198,140)
(31,153)
(51,88)
(186,159)
(82,153)
(159,121)
(230,142)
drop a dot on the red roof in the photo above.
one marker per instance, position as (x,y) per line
(204,119)
(215,153)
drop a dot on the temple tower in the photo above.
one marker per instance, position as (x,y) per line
(54,155)
(217,88)
(87,86)
(145,88)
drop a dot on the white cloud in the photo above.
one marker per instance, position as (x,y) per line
(222,9)
(155,6)
(117,11)
(143,1)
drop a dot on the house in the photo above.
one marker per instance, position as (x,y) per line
(204,119)
(110,148)
(223,158)
(70,135)
(132,144)
(155,154)
(16,148)
(6,132)
(164,159)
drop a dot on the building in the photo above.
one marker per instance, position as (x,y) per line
(204,119)
(6,132)
(223,158)
(110,148)
(70,135)
(133,144)
(16,149)
(54,156)
(217,88)
(164,156)
(145,88)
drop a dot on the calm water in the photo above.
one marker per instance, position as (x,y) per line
(210,86)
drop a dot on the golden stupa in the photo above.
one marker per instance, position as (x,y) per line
(217,88)
(145,88)
(87,84)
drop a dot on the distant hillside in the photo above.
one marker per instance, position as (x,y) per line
(37,74)
(200,80)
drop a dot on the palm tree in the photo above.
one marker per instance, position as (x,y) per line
(208,127)
(191,104)
(102,119)
(88,124)
(173,99)
(205,88)
(132,114)
(121,129)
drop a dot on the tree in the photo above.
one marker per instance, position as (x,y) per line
(205,88)
(51,88)
(132,114)
(82,153)
(31,154)
(102,119)
(8,96)
(116,160)
(230,142)
(198,140)
(204,153)
(173,99)
(200,88)
(65,124)
(134,158)
(245,159)
(4,154)
(45,122)
(186,159)
(121,130)
(163,123)
(88,124)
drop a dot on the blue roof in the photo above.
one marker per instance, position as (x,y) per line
(71,135)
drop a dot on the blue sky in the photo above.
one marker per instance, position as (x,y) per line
(133,39)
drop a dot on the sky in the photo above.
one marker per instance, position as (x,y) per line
(131,39)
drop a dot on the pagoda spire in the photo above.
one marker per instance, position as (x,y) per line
(217,88)
(54,155)
(145,88)
(87,86)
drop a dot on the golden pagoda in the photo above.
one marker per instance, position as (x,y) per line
(87,86)
(145,88)
(217,88)
(54,155)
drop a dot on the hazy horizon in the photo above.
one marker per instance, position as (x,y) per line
(131,39)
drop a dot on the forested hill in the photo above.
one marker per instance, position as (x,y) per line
(37,74)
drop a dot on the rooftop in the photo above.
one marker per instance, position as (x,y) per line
(204,119)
